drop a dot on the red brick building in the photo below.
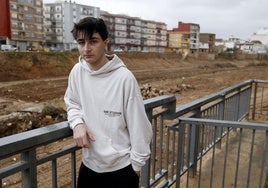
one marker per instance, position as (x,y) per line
(5,30)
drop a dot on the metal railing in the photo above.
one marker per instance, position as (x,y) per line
(214,117)
(186,145)
(240,163)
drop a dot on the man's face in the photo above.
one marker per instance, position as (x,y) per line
(92,49)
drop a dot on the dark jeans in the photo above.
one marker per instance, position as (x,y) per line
(123,178)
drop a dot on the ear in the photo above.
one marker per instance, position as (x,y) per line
(106,42)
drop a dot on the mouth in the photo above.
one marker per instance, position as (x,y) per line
(88,56)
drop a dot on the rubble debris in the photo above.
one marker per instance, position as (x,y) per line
(148,91)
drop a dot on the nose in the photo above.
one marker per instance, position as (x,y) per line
(87,46)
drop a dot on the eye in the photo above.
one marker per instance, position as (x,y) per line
(94,41)
(81,42)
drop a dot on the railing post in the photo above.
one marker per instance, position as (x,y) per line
(145,171)
(219,130)
(180,149)
(73,172)
(29,175)
(171,106)
(194,144)
(254,100)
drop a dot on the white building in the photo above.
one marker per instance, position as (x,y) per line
(261,35)
(59,20)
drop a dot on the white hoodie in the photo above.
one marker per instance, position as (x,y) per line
(109,102)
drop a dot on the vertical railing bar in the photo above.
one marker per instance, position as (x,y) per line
(208,136)
(161,143)
(73,169)
(29,175)
(250,156)
(239,104)
(54,173)
(234,105)
(183,143)
(188,162)
(167,153)
(254,100)
(226,110)
(180,156)
(262,92)
(205,137)
(225,158)
(201,155)
(238,157)
(220,111)
(213,158)
(215,112)
(173,152)
(153,154)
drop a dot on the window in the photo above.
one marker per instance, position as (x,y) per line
(14,15)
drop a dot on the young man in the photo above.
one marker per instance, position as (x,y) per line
(106,112)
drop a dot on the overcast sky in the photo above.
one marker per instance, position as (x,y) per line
(225,18)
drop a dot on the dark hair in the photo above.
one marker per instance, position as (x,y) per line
(90,25)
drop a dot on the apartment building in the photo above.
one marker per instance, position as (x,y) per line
(178,41)
(128,33)
(21,23)
(125,33)
(59,20)
(184,38)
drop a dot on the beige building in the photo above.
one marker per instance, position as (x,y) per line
(184,38)
(178,41)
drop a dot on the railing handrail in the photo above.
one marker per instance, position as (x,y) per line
(183,109)
(17,143)
(226,123)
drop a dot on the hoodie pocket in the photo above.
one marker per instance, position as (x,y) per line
(103,154)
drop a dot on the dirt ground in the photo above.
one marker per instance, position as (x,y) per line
(32,85)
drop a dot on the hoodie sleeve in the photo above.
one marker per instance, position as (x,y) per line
(139,127)
(72,102)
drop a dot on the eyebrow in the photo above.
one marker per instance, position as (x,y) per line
(92,38)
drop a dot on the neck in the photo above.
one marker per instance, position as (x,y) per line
(97,66)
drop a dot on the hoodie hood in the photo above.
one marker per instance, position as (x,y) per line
(114,63)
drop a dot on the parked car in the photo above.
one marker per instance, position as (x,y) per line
(118,50)
(8,47)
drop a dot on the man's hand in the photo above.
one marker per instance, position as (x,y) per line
(82,136)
